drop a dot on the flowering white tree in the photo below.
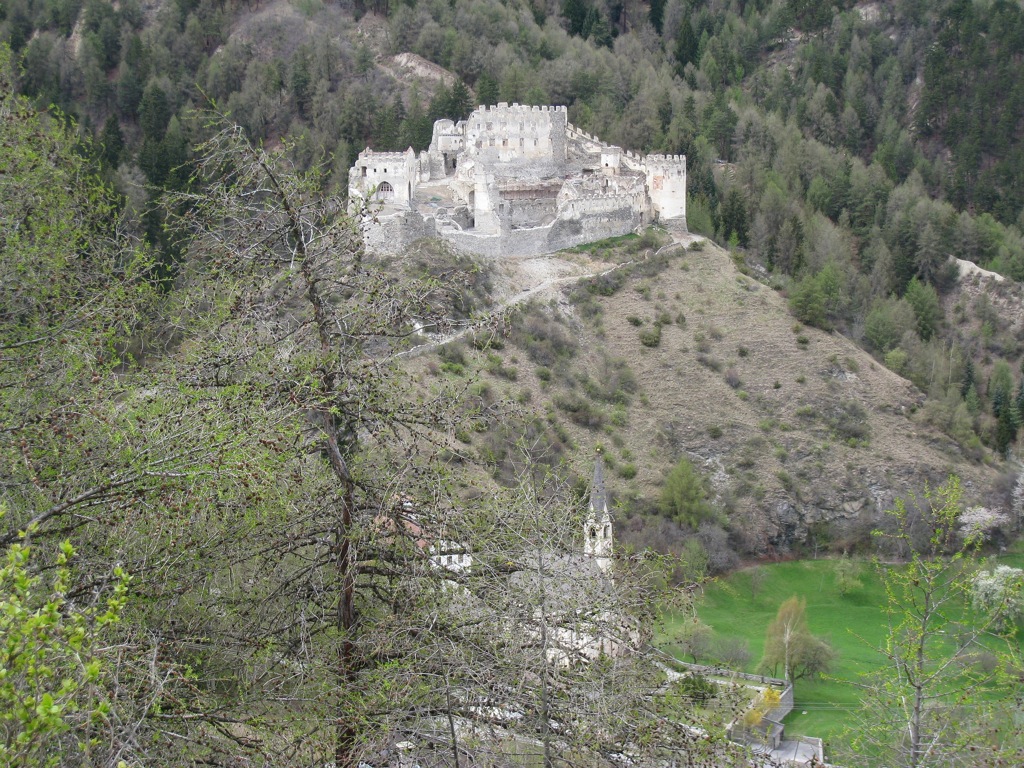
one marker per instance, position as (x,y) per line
(1000,593)
(981,523)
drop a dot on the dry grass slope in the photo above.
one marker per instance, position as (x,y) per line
(803,435)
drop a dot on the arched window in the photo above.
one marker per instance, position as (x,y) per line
(385,191)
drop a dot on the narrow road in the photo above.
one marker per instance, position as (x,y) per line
(680,240)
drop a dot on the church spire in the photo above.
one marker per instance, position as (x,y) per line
(598,495)
(597,532)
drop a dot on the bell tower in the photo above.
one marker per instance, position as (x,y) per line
(597,531)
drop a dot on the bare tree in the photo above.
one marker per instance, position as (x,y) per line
(290,315)
(273,485)
(758,576)
(237,443)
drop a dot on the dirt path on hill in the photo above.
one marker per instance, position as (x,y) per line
(521,280)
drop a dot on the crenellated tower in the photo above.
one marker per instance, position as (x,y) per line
(666,185)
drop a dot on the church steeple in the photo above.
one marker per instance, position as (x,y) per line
(598,495)
(597,532)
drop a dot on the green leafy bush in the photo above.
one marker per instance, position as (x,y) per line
(697,688)
(53,659)
(651,337)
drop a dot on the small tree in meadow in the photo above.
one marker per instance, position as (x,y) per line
(758,576)
(694,639)
(790,645)
(847,574)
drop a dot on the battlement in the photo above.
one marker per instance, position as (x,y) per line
(497,121)
(516,107)
(383,157)
(602,203)
(666,159)
(572,130)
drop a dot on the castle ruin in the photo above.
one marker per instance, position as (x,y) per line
(514,181)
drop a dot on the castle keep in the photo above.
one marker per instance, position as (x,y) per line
(514,181)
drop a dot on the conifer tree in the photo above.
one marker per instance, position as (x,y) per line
(575,13)
(486,89)
(459,102)
(111,141)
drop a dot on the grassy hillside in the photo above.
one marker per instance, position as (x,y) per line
(853,623)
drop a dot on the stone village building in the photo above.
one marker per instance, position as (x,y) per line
(572,579)
(514,181)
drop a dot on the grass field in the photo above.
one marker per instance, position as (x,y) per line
(853,623)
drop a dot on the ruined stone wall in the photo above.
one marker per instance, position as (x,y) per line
(525,205)
(513,243)
(602,204)
(432,166)
(392,234)
(526,213)
(598,226)
(453,217)
(447,142)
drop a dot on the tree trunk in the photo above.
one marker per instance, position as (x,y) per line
(545,714)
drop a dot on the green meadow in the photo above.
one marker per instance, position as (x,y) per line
(853,623)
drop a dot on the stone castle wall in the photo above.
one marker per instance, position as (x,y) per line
(520,139)
(525,181)
(562,233)
(603,204)
(527,213)
(394,233)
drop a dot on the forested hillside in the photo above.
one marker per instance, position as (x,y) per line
(849,150)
